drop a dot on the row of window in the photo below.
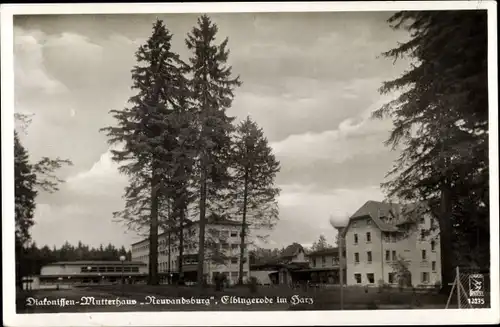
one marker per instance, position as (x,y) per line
(164,242)
(391,278)
(388,257)
(369,221)
(163,250)
(334,261)
(108,269)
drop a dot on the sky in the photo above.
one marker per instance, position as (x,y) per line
(310,80)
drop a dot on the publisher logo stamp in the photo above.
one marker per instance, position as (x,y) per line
(476,285)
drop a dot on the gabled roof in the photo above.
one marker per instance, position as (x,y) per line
(292,250)
(375,210)
(329,251)
(387,216)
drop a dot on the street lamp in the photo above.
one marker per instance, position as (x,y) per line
(340,228)
(122,259)
(89,268)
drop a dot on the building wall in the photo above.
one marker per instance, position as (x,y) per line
(73,269)
(362,247)
(300,257)
(226,236)
(324,261)
(409,249)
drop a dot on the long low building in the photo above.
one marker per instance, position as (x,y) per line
(90,272)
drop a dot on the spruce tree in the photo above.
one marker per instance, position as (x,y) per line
(441,122)
(147,134)
(211,85)
(253,183)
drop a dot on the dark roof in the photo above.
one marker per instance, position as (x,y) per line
(292,250)
(91,262)
(319,269)
(387,216)
(324,252)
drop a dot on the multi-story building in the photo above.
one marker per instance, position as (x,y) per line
(384,240)
(222,251)
(325,266)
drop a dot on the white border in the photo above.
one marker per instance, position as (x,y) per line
(378,317)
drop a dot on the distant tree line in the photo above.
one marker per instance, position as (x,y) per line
(33,258)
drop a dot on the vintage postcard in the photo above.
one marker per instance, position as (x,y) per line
(250,164)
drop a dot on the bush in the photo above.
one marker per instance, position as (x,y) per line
(220,281)
(382,285)
(252,284)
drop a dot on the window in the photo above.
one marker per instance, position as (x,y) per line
(433,264)
(391,278)
(433,245)
(425,277)
(234,260)
(387,255)
(369,222)
(357,277)
(356,257)
(369,256)
(323,260)
(355,238)
(422,234)
(234,274)
(424,255)
(393,255)
(371,278)
(135,269)
(314,261)
(245,274)
(422,220)
(234,234)
(225,246)
(102,269)
(234,246)
(368,237)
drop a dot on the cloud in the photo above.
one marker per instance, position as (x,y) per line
(305,213)
(29,69)
(84,208)
(98,180)
(353,136)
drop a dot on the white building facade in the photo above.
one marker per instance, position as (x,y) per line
(379,246)
(222,254)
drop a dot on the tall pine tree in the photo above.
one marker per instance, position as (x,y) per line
(253,183)
(146,132)
(441,121)
(212,88)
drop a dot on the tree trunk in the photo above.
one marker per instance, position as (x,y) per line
(201,238)
(153,231)
(243,228)
(445,231)
(181,246)
(169,242)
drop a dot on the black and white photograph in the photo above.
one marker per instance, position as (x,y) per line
(235,164)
